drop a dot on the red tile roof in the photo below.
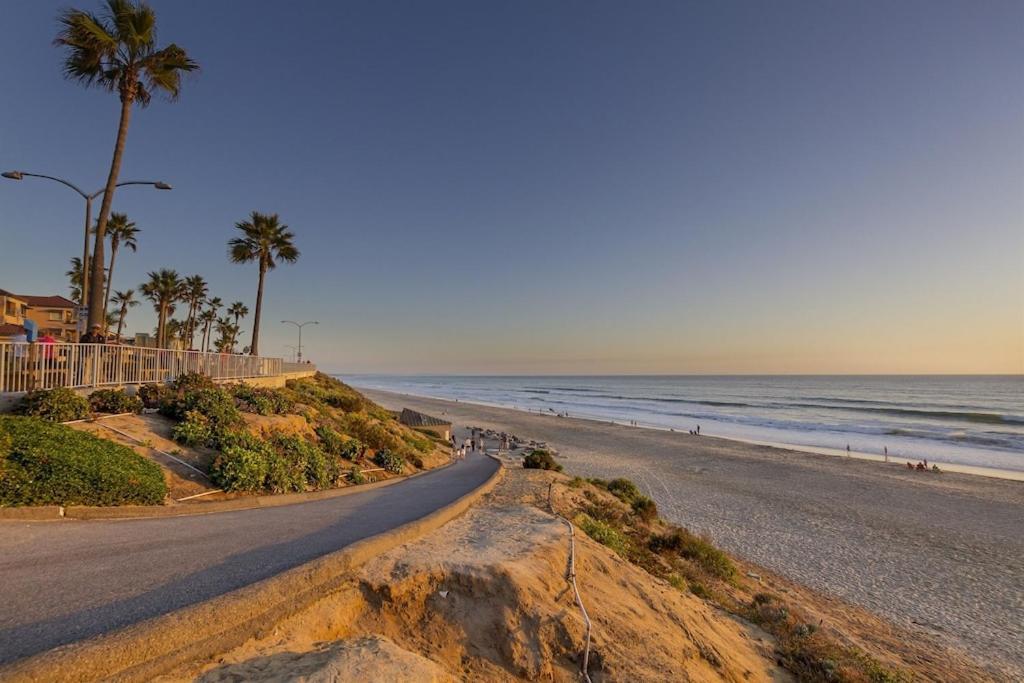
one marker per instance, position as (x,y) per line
(46,301)
(8,330)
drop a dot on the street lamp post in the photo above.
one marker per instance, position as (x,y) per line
(18,175)
(300,326)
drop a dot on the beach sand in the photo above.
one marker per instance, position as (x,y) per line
(936,553)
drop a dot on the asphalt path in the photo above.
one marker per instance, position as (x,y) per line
(65,581)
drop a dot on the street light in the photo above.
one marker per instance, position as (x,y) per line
(20,175)
(300,326)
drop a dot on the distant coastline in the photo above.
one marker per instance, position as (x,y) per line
(421,387)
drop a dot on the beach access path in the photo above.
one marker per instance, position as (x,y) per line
(64,581)
(939,553)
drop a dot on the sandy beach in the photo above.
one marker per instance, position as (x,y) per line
(936,553)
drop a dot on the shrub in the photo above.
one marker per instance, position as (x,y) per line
(298,456)
(153,395)
(114,401)
(603,533)
(243,463)
(624,490)
(332,442)
(389,461)
(55,405)
(190,381)
(51,464)
(214,403)
(194,430)
(645,509)
(357,476)
(262,401)
(696,549)
(541,460)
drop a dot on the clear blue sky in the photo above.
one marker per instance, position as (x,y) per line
(564,187)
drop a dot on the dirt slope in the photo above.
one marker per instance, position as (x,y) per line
(485,598)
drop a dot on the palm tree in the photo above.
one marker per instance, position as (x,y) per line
(227,331)
(164,288)
(124,300)
(196,290)
(75,278)
(266,241)
(175,331)
(121,231)
(117,51)
(207,317)
(238,310)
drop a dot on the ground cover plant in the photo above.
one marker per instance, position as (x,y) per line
(42,463)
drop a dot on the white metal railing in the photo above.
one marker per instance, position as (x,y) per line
(24,367)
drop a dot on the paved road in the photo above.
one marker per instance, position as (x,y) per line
(64,581)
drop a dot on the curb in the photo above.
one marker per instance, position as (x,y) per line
(50,513)
(143,651)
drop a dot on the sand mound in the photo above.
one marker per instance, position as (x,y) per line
(486,598)
(362,659)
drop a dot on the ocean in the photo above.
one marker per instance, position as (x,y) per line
(975,421)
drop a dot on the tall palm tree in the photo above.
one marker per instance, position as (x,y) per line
(124,300)
(175,331)
(121,231)
(163,288)
(196,290)
(117,51)
(74,276)
(264,240)
(207,317)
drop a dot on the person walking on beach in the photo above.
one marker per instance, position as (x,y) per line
(847,450)
(698,430)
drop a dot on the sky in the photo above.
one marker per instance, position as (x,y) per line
(562,187)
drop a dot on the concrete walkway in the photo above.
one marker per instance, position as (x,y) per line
(61,582)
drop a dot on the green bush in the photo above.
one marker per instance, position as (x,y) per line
(296,457)
(541,460)
(281,464)
(262,401)
(330,440)
(624,490)
(153,395)
(357,476)
(55,405)
(603,533)
(645,509)
(243,464)
(194,430)
(51,464)
(190,381)
(214,403)
(114,402)
(696,549)
(389,461)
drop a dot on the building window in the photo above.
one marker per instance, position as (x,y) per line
(55,316)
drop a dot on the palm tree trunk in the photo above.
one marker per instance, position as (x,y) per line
(120,322)
(254,348)
(96,290)
(110,279)
(161,323)
(190,323)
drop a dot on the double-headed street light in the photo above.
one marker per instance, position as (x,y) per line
(300,326)
(19,175)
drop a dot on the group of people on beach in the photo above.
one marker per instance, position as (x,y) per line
(922,466)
